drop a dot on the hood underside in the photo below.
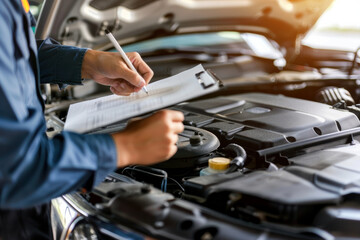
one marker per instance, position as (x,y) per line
(83,23)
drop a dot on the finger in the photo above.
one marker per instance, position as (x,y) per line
(170,115)
(143,69)
(171,152)
(177,116)
(136,89)
(173,138)
(132,77)
(115,91)
(177,127)
(120,85)
(133,120)
(123,86)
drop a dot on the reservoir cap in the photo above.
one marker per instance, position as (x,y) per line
(219,163)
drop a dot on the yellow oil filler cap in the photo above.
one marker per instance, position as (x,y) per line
(219,163)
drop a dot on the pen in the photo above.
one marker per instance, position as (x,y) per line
(122,53)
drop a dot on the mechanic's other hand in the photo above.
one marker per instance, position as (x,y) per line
(108,68)
(149,140)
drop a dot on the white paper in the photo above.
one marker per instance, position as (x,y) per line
(88,115)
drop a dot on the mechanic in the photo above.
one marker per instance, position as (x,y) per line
(35,169)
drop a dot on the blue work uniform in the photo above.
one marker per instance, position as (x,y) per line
(34,168)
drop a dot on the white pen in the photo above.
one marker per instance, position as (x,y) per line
(122,53)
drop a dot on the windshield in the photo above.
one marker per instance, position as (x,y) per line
(248,42)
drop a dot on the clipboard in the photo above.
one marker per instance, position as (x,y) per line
(87,116)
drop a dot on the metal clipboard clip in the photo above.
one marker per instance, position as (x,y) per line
(212,75)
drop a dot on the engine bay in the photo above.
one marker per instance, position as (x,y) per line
(292,168)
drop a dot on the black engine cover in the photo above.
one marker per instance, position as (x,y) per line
(258,121)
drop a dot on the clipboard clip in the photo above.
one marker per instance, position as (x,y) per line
(212,75)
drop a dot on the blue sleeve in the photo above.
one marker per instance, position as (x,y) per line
(59,64)
(34,168)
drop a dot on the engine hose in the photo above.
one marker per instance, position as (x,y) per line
(239,160)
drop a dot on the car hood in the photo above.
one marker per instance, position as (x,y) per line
(82,23)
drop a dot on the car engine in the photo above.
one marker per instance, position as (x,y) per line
(289,169)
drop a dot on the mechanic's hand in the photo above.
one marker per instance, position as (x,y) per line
(109,69)
(149,140)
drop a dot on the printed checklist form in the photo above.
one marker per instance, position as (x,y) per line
(93,114)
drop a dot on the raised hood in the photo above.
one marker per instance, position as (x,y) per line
(83,22)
